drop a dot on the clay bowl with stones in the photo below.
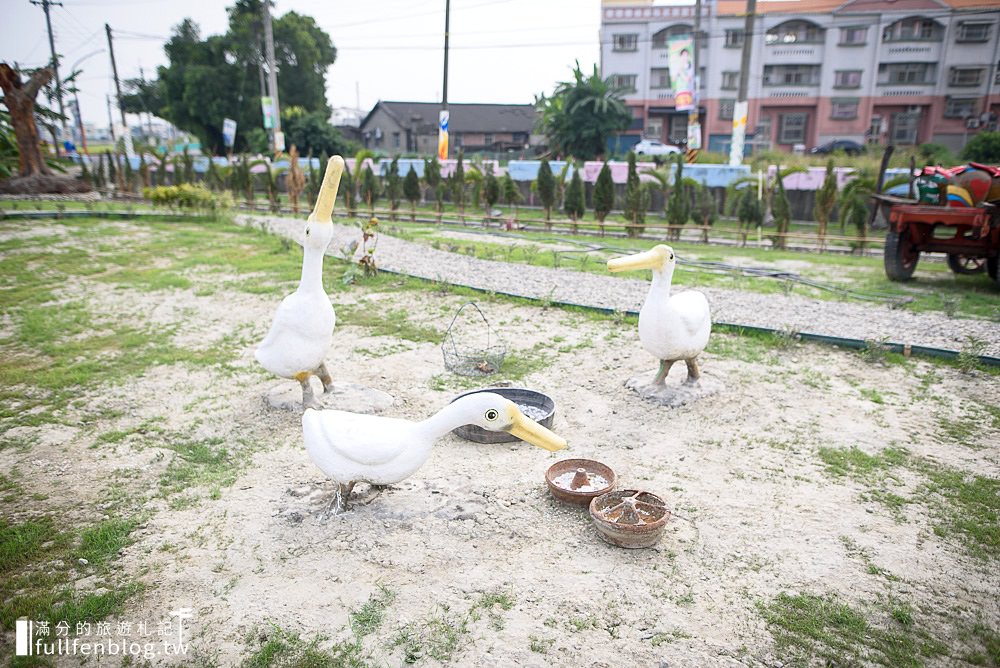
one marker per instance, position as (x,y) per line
(630,518)
(578,481)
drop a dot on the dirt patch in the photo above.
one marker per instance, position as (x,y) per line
(757,510)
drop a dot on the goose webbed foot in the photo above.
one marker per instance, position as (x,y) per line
(324,376)
(308,398)
(661,375)
(694,373)
(340,500)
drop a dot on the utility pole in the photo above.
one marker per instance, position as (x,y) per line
(127,136)
(145,103)
(45,4)
(694,127)
(111,122)
(740,111)
(272,77)
(443,116)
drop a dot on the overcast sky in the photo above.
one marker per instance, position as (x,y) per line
(501,50)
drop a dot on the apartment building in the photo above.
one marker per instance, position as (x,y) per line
(880,71)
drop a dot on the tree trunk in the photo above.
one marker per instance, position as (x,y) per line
(19,97)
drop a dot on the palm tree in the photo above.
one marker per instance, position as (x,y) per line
(853,201)
(581,114)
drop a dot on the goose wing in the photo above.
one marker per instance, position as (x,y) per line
(363,439)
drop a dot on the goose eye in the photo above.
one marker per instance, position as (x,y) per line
(307,231)
(492,414)
(671,256)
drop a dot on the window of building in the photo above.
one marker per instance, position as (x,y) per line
(654,128)
(792,129)
(734,38)
(457,140)
(973,32)
(791,75)
(395,140)
(894,74)
(624,42)
(730,80)
(960,107)
(659,77)
(726,109)
(762,133)
(847,79)
(842,109)
(965,76)
(913,29)
(488,140)
(623,82)
(903,127)
(853,36)
(794,32)
(678,128)
(661,38)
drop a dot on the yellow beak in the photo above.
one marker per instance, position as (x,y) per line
(327,197)
(530,431)
(650,259)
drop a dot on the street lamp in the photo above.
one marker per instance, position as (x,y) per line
(76,99)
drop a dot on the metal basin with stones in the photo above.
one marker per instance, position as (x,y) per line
(578,481)
(535,405)
(629,517)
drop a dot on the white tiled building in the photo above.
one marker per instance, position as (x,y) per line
(903,72)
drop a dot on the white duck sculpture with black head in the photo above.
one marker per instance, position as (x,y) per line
(671,327)
(302,331)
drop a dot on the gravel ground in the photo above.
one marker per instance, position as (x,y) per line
(776,311)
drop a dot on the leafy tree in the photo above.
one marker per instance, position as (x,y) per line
(742,202)
(826,199)
(984,147)
(458,185)
(370,189)
(432,174)
(781,209)
(210,79)
(128,175)
(474,179)
(85,174)
(546,188)
(99,179)
(243,178)
(440,190)
(604,194)
(112,169)
(271,179)
(312,132)
(511,193)
(679,205)
(491,189)
(636,200)
(575,201)
(582,114)
(394,186)
(411,189)
(706,209)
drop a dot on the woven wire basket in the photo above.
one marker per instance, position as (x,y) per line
(472,353)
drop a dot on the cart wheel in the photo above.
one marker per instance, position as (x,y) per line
(900,256)
(963,264)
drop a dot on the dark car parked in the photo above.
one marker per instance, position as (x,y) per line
(846,145)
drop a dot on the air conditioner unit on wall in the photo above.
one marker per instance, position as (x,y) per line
(972,123)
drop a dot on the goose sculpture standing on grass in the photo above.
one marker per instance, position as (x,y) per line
(671,327)
(352,448)
(302,331)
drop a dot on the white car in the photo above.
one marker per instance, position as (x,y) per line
(651,147)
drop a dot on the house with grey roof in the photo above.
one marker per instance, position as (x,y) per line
(412,127)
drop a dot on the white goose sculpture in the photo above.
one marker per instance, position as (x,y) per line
(352,448)
(302,331)
(671,327)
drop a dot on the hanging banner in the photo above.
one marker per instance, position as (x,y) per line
(739,133)
(694,135)
(279,142)
(228,132)
(680,50)
(443,135)
(267,108)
